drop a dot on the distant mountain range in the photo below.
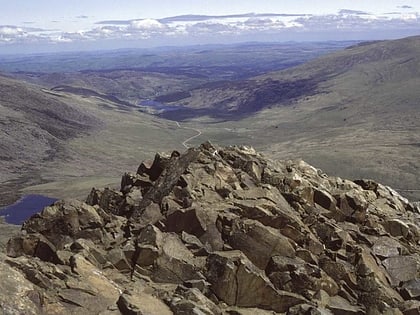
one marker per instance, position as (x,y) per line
(367,65)
(354,112)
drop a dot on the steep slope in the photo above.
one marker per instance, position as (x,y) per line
(354,112)
(219,230)
(363,120)
(359,67)
(35,125)
(55,142)
(127,85)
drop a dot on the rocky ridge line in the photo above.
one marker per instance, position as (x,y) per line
(219,230)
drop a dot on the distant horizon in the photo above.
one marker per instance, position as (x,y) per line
(13,51)
(47,26)
(183,47)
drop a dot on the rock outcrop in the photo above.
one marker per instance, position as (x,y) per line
(219,231)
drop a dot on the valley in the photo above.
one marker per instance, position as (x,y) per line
(214,157)
(351,110)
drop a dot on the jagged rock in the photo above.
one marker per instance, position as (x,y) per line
(308,309)
(80,299)
(66,220)
(170,259)
(35,245)
(367,184)
(176,264)
(247,311)
(324,199)
(150,215)
(219,231)
(118,259)
(192,301)
(109,200)
(102,290)
(397,228)
(231,276)
(88,249)
(340,306)
(94,294)
(411,307)
(188,220)
(191,241)
(258,242)
(295,275)
(148,246)
(141,304)
(154,169)
(165,181)
(386,247)
(18,295)
(354,205)
(410,290)
(401,268)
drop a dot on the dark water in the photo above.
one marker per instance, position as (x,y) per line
(22,209)
(160,106)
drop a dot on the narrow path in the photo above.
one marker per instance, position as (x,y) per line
(184,143)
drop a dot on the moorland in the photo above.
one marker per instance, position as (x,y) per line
(71,121)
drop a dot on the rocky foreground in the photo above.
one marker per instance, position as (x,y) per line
(219,231)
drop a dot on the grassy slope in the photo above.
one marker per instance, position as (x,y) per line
(99,159)
(365,121)
(72,142)
(126,85)
(361,121)
(34,128)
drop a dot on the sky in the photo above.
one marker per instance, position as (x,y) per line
(90,24)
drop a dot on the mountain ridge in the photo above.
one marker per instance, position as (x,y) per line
(35,127)
(219,230)
(362,122)
(324,68)
(361,107)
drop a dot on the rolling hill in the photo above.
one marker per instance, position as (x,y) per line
(358,67)
(49,136)
(35,125)
(355,112)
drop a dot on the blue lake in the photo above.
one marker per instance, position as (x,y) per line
(160,106)
(22,209)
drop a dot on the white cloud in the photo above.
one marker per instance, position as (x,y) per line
(147,24)
(258,21)
(62,39)
(11,30)
(409,16)
(10,34)
(250,25)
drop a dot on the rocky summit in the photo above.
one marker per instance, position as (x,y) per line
(219,230)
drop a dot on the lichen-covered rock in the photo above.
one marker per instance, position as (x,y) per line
(257,241)
(219,230)
(141,303)
(18,295)
(236,281)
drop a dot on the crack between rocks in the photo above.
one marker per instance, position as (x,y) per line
(70,302)
(237,286)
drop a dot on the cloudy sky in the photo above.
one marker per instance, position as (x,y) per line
(45,25)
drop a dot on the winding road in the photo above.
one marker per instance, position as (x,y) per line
(190,138)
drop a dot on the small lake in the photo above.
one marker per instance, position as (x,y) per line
(25,207)
(160,106)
